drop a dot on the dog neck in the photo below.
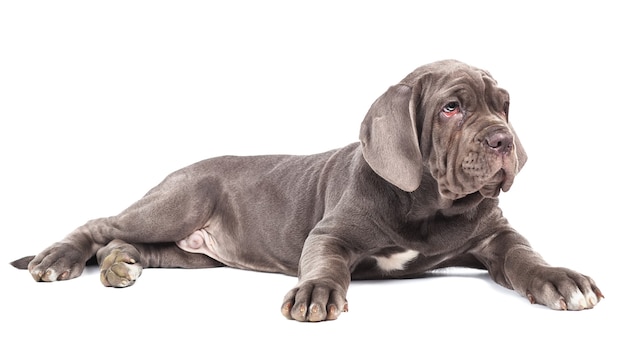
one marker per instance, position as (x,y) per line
(426,201)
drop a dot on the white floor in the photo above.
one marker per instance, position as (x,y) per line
(228,311)
(99,102)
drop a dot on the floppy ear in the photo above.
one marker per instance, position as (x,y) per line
(389,139)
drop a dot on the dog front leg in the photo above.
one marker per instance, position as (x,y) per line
(556,287)
(324,276)
(514,264)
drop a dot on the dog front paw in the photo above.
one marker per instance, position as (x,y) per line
(562,289)
(314,302)
(119,268)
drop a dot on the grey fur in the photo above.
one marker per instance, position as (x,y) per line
(419,192)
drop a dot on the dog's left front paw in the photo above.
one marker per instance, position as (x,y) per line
(562,289)
(314,301)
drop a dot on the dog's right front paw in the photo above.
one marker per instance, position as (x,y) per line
(119,269)
(562,289)
(61,261)
(314,302)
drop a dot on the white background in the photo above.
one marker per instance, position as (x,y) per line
(100,100)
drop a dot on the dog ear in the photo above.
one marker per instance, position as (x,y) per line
(389,139)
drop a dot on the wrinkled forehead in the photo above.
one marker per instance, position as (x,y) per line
(469,81)
(471,86)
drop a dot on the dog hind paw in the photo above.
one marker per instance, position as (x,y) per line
(119,269)
(61,261)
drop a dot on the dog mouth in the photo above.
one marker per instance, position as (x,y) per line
(502,180)
(488,175)
(500,183)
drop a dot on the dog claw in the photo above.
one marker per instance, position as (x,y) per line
(531,298)
(598,293)
(286,309)
(333,312)
(562,304)
(299,314)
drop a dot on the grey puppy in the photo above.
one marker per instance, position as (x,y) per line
(419,192)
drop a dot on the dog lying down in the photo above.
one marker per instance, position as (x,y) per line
(418,192)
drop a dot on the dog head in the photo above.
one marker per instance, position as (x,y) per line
(450,119)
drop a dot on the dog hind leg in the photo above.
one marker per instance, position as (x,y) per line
(121,263)
(171,211)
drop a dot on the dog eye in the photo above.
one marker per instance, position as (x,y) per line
(451,109)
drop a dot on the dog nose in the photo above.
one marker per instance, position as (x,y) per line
(499,141)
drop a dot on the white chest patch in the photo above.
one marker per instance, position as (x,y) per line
(396,261)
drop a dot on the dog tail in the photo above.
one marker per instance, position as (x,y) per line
(23,262)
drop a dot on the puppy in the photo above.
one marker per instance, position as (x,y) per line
(418,192)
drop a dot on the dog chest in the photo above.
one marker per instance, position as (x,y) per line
(395,261)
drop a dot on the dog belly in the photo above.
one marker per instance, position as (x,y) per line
(262,209)
(232,252)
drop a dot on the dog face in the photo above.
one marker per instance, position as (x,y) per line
(450,119)
(473,146)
